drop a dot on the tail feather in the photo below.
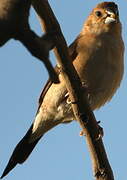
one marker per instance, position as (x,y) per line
(21,152)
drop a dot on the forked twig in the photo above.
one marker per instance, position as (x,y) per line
(14,16)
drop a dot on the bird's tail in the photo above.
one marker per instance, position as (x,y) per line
(21,152)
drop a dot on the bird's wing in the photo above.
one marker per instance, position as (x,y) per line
(73,54)
(24,147)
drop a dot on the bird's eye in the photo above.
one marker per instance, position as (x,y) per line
(98,13)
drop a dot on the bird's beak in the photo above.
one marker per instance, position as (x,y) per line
(111,17)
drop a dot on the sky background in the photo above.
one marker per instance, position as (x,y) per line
(62,153)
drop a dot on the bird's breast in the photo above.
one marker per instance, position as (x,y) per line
(100,65)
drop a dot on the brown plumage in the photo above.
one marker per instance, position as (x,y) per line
(97,54)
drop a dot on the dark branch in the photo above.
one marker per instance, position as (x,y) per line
(81,108)
(14,17)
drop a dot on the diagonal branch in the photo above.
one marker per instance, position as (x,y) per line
(81,108)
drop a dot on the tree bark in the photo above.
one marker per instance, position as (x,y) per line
(101,167)
(14,17)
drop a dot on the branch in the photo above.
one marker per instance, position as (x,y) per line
(14,15)
(81,108)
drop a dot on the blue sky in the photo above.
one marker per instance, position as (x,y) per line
(61,154)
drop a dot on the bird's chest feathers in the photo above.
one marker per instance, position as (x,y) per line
(102,65)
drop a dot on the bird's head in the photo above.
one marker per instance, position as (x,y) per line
(103,18)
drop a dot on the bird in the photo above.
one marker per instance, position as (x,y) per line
(97,54)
